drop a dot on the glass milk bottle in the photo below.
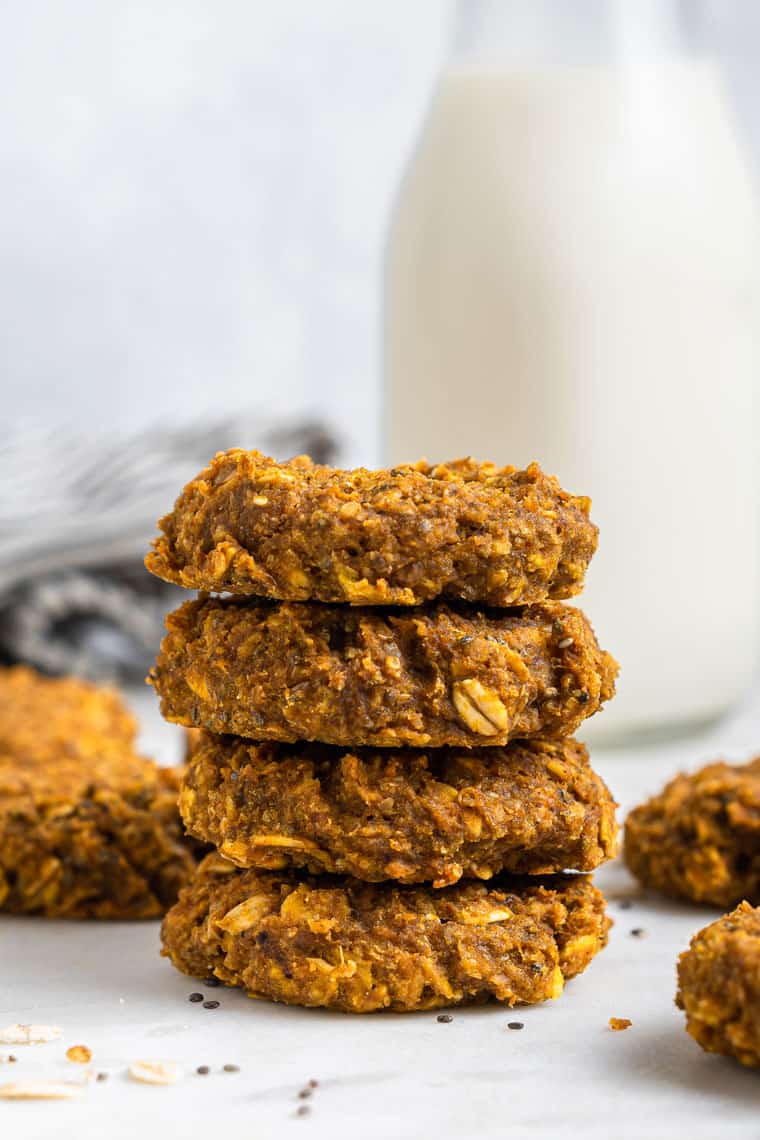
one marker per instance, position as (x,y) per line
(572,277)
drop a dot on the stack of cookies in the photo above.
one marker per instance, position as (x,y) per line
(387,684)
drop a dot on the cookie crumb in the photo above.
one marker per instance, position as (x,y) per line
(618,1023)
(80,1054)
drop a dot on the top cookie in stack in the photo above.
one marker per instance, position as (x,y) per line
(300,532)
(417,608)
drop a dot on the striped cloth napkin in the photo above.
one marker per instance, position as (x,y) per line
(75,522)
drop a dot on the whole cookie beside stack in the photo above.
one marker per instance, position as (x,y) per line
(386,689)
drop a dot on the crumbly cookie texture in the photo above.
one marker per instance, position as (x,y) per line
(295,531)
(360,947)
(719,985)
(531,807)
(44,720)
(424,677)
(88,829)
(700,837)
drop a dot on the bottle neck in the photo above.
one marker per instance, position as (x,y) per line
(529,33)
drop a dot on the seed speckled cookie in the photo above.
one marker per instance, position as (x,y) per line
(294,531)
(360,947)
(699,838)
(534,807)
(88,829)
(428,677)
(719,986)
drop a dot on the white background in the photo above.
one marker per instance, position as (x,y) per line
(194,195)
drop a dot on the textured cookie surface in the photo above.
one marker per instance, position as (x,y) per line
(434,676)
(248,525)
(719,985)
(44,720)
(700,837)
(360,947)
(87,827)
(532,807)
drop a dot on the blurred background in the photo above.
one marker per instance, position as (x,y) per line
(209,239)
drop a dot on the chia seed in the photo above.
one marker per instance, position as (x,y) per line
(203,1070)
(195,997)
(515,1025)
(211,1005)
(444,1018)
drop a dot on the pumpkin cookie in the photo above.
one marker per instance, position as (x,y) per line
(88,829)
(360,947)
(699,838)
(534,807)
(248,525)
(719,986)
(428,677)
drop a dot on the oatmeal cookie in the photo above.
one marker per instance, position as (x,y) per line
(46,719)
(422,678)
(360,947)
(87,827)
(699,838)
(534,807)
(294,531)
(719,985)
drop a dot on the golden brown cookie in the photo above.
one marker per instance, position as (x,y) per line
(699,838)
(295,531)
(425,677)
(360,947)
(719,985)
(46,719)
(87,827)
(534,807)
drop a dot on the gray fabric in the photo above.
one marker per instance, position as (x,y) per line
(75,523)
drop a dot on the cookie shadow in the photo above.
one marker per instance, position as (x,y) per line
(671,1057)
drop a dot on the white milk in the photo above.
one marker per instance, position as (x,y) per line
(572,276)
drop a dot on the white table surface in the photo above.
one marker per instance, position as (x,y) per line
(385,1076)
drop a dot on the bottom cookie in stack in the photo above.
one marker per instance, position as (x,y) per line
(337,942)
